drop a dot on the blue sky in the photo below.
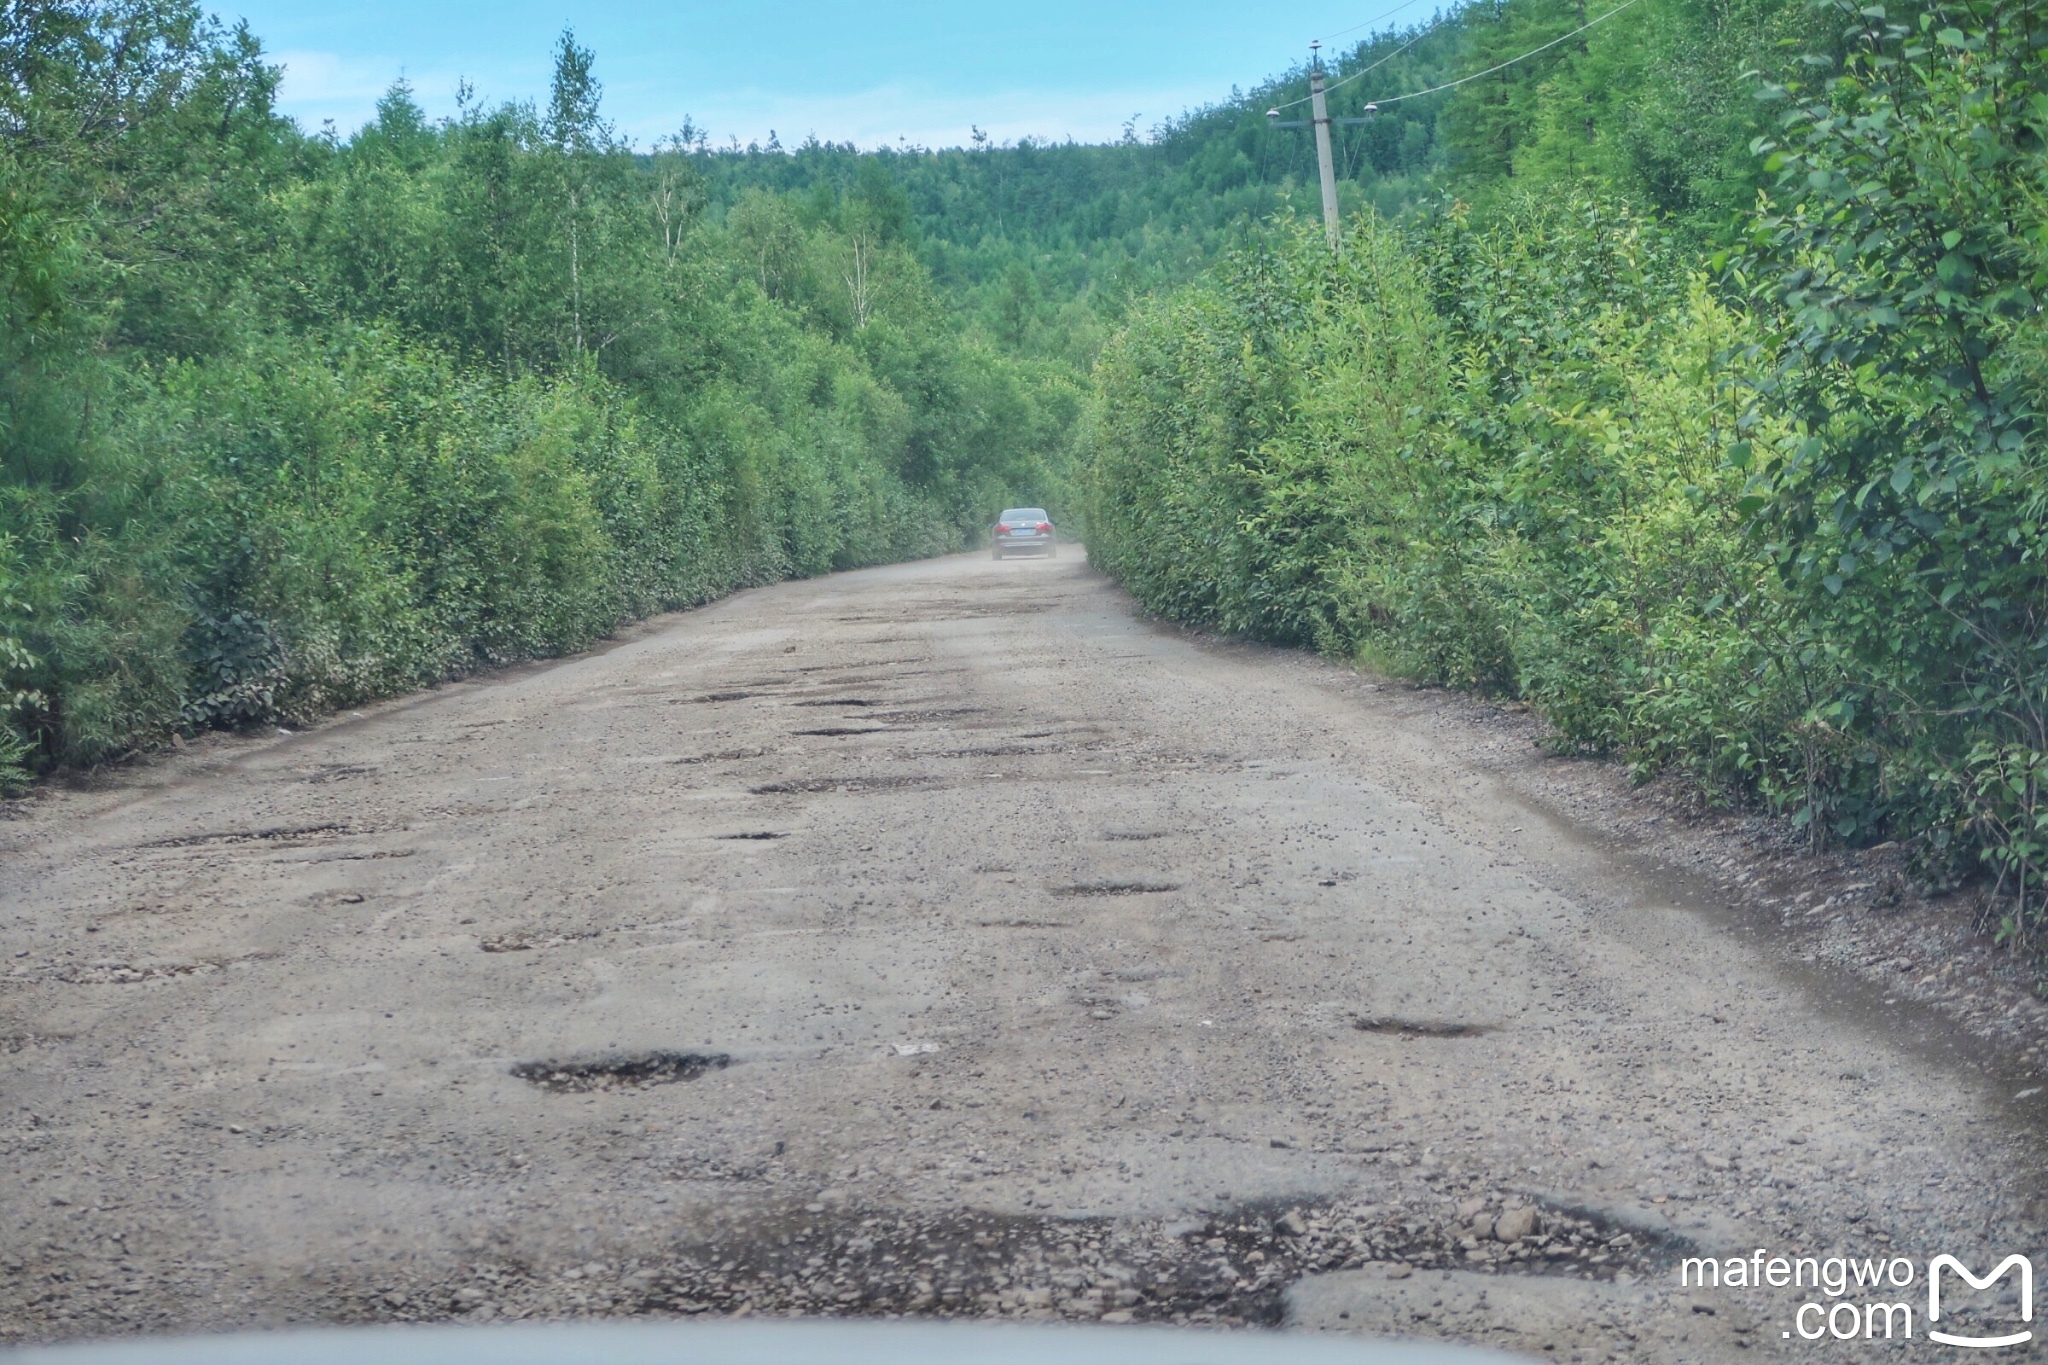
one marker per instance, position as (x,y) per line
(869,73)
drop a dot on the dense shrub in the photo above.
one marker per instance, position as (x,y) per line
(1773,521)
(1487,456)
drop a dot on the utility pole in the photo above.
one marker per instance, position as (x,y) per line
(1320,120)
(1325,166)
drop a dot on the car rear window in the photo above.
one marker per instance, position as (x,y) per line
(1024,514)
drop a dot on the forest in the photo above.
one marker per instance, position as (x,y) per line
(1676,376)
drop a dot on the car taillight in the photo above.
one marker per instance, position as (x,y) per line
(1001,529)
(1045,526)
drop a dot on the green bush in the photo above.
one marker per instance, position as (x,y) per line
(1542,453)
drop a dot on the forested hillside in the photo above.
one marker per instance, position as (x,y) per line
(1698,409)
(1044,244)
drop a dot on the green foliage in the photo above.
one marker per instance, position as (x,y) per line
(1903,256)
(289,422)
(1772,522)
(1653,103)
(1248,443)
(16,666)
(1489,455)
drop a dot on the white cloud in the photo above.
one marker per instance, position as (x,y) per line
(895,113)
(319,86)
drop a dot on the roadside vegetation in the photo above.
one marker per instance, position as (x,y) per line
(289,420)
(1720,451)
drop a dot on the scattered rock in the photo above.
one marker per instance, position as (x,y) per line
(1516,1224)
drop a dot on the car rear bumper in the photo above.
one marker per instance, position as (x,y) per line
(1039,544)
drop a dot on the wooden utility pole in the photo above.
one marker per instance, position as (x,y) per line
(1320,120)
(1325,166)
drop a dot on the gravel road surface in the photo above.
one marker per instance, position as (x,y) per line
(938,939)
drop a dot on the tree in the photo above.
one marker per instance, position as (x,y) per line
(579,134)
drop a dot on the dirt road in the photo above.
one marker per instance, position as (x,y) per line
(944,939)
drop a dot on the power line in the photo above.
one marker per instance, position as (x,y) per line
(1464,80)
(1356,74)
(1370,23)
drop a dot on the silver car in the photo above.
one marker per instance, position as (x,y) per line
(1023,529)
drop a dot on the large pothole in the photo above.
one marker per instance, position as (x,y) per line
(1419,1028)
(805,785)
(634,1071)
(1228,1269)
(276,834)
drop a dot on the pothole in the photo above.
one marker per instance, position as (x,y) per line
(1229,1268)
(371,856)
(861,663)
(754,834)
(1418,1028)
(506,943)
(23,1042)
(335,772)
(520,941)
(277,834)
(892,678)
(834,731)
(723,696)
(635,1071)
(113,973)
(804,785)
(1131,888)
(1228,1265)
